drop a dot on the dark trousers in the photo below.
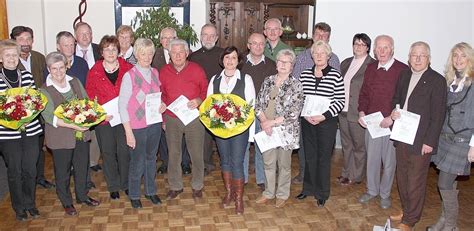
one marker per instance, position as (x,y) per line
(163,149)
(143,161)
(318,141)
(208,164)
(40,163)
(232,153)
(412,174)
(21,156)
(113,146)
(63,159)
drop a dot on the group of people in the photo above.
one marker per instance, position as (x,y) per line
(270,76)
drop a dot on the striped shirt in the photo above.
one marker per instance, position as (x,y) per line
(331,86)
(34,127)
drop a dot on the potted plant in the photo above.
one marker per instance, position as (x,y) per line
(153,20)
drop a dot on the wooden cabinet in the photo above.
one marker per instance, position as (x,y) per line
(236,20)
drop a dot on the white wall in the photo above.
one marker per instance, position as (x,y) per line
(441,23)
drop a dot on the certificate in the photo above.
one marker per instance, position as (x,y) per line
(152,108)
(373,125)
(111,108)
(266,142)
(180,108)
(315,105)
(404,129)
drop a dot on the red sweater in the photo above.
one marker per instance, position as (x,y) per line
(98,84)
(379,87)
(190,82)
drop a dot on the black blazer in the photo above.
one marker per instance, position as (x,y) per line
(428,100)
(95,51)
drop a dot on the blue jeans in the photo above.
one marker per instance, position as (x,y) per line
(232,151)
(259,170)
(143,161)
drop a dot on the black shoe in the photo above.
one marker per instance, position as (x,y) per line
(70,210)
(126,192)
(96,168)
(301,196)
(33,212)
(321,202)
(21,215)
(154,199)
(90,185)
(89,202)
(162,169)
(45,184)
(186,169)
(136,204)
(114,195)
(261,187)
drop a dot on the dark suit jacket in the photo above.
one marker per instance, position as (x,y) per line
(428,100)
(38,65)
(356,85)
(159,59)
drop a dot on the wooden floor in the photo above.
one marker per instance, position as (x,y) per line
(342,211)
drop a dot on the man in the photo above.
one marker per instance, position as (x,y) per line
(273,31)
(182,77)
(160,59)
(376,95)
(258,67)
(321,31)
(352,134)
(422,91)
(85,48)
(90,53)
(208,57)
(34,62)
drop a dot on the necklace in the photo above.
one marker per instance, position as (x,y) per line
(228,75)
(111,70)
(17,79)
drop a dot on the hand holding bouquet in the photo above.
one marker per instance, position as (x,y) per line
(84,113)
(19,106)
(226,115)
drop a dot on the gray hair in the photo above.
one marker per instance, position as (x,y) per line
(175,34)
(142,44)
(388,37)
(421,44)
(55,57)
(9,44)
(287,52)
(176,42)
(276,20)
(324,45)
(62,34)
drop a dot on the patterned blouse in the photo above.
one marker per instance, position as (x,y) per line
(289,103)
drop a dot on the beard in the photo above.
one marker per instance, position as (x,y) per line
(25,48)
(208,45)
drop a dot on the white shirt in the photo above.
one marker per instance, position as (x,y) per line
(353,68)
(89,56)
(387,65)
(460,85)
(128,53)
(27,63)
(65,89)
(249,59)
(167,55)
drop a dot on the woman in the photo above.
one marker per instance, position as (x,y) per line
(103,84)
(66,149)
(352,134)
(279,103)
(20,149)
(232,150)
(138,85)
(126,37)
(454,151)
(319,131)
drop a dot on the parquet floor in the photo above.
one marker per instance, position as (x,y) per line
(342,211)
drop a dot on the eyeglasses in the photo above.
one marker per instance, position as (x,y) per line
(413,56)
(359,45)
(113,50)
(283,62)
(255,44)
(167,38)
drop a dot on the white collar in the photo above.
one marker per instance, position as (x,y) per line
(249,59)
(128,53)
(387,65)
(236,73)
(460,85)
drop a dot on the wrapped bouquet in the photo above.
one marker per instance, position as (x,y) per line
(81,112)
(19,106)
(226,115)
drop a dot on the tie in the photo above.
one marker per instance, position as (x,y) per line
(382,68)
(84,54)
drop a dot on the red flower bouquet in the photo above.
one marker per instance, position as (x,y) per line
(19,106)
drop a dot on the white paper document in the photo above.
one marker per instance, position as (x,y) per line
(111,108)
(180,108)
(373,125)
(266,142)
(404,129)
(152,108)
(315,105)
